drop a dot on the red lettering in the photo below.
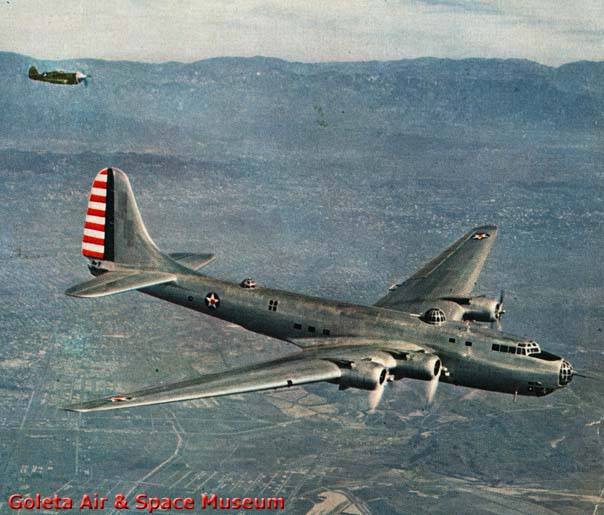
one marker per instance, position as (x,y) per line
(275,503)
(209,501)
(247,503)
(17,502)
(93,503)
(86,502)
(141,501)
(14,501)
(183,504)
(152,504)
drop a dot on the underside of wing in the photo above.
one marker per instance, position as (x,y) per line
(452,273)
(282,373)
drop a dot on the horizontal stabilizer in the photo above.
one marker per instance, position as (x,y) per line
(192,261)
(118,282)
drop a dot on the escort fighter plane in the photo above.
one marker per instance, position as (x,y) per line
(421,329)
(58,77)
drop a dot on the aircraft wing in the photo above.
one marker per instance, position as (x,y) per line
(290,371)
(119,282)
(452,273)
(323,359)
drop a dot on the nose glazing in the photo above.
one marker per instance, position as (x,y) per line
(566,373)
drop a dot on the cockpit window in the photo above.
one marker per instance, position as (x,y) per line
(523,348)
(529,348)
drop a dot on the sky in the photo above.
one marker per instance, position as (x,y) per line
(551,32)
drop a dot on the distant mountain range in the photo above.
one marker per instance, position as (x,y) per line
(249,101)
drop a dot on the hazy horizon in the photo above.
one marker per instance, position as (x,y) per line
(340,31)
(293,61)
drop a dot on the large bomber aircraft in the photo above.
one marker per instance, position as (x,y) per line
(421,329)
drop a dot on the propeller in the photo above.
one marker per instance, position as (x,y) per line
(587,376)
(499,310)
(432,387)
(81,77)
(499,307)
(375,396)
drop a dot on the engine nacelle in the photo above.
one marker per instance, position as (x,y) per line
(482,309)
(365,374)
(418,365)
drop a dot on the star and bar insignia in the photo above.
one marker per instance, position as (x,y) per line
(212,300)
(480,236)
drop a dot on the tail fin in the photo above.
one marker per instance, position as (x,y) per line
(33,72)
(114,230)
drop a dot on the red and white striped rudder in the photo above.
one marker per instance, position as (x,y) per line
(93,241)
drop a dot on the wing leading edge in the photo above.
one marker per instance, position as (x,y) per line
(282,373)
(321,360)
(452,273)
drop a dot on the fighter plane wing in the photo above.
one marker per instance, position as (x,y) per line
(450,274)
(290,371)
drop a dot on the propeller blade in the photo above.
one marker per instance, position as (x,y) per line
(431,390)
(587,376)
(496,325)
(432,387)
(375,396)
(499,308)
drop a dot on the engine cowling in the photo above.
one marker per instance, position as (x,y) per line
(482,309)
(418,365)
(366,375)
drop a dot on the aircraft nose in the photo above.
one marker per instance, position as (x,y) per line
(566,373)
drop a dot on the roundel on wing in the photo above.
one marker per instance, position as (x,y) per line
(212,300)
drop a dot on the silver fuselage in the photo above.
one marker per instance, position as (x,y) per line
(467,351)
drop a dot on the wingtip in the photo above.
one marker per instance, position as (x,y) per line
(72,292)
(487,227)
(486,230)
(71,409)
(76,408)
(80,408)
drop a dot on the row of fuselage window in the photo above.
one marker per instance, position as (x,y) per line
(272,306)
(499,347)
(468,343)
(311,329)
